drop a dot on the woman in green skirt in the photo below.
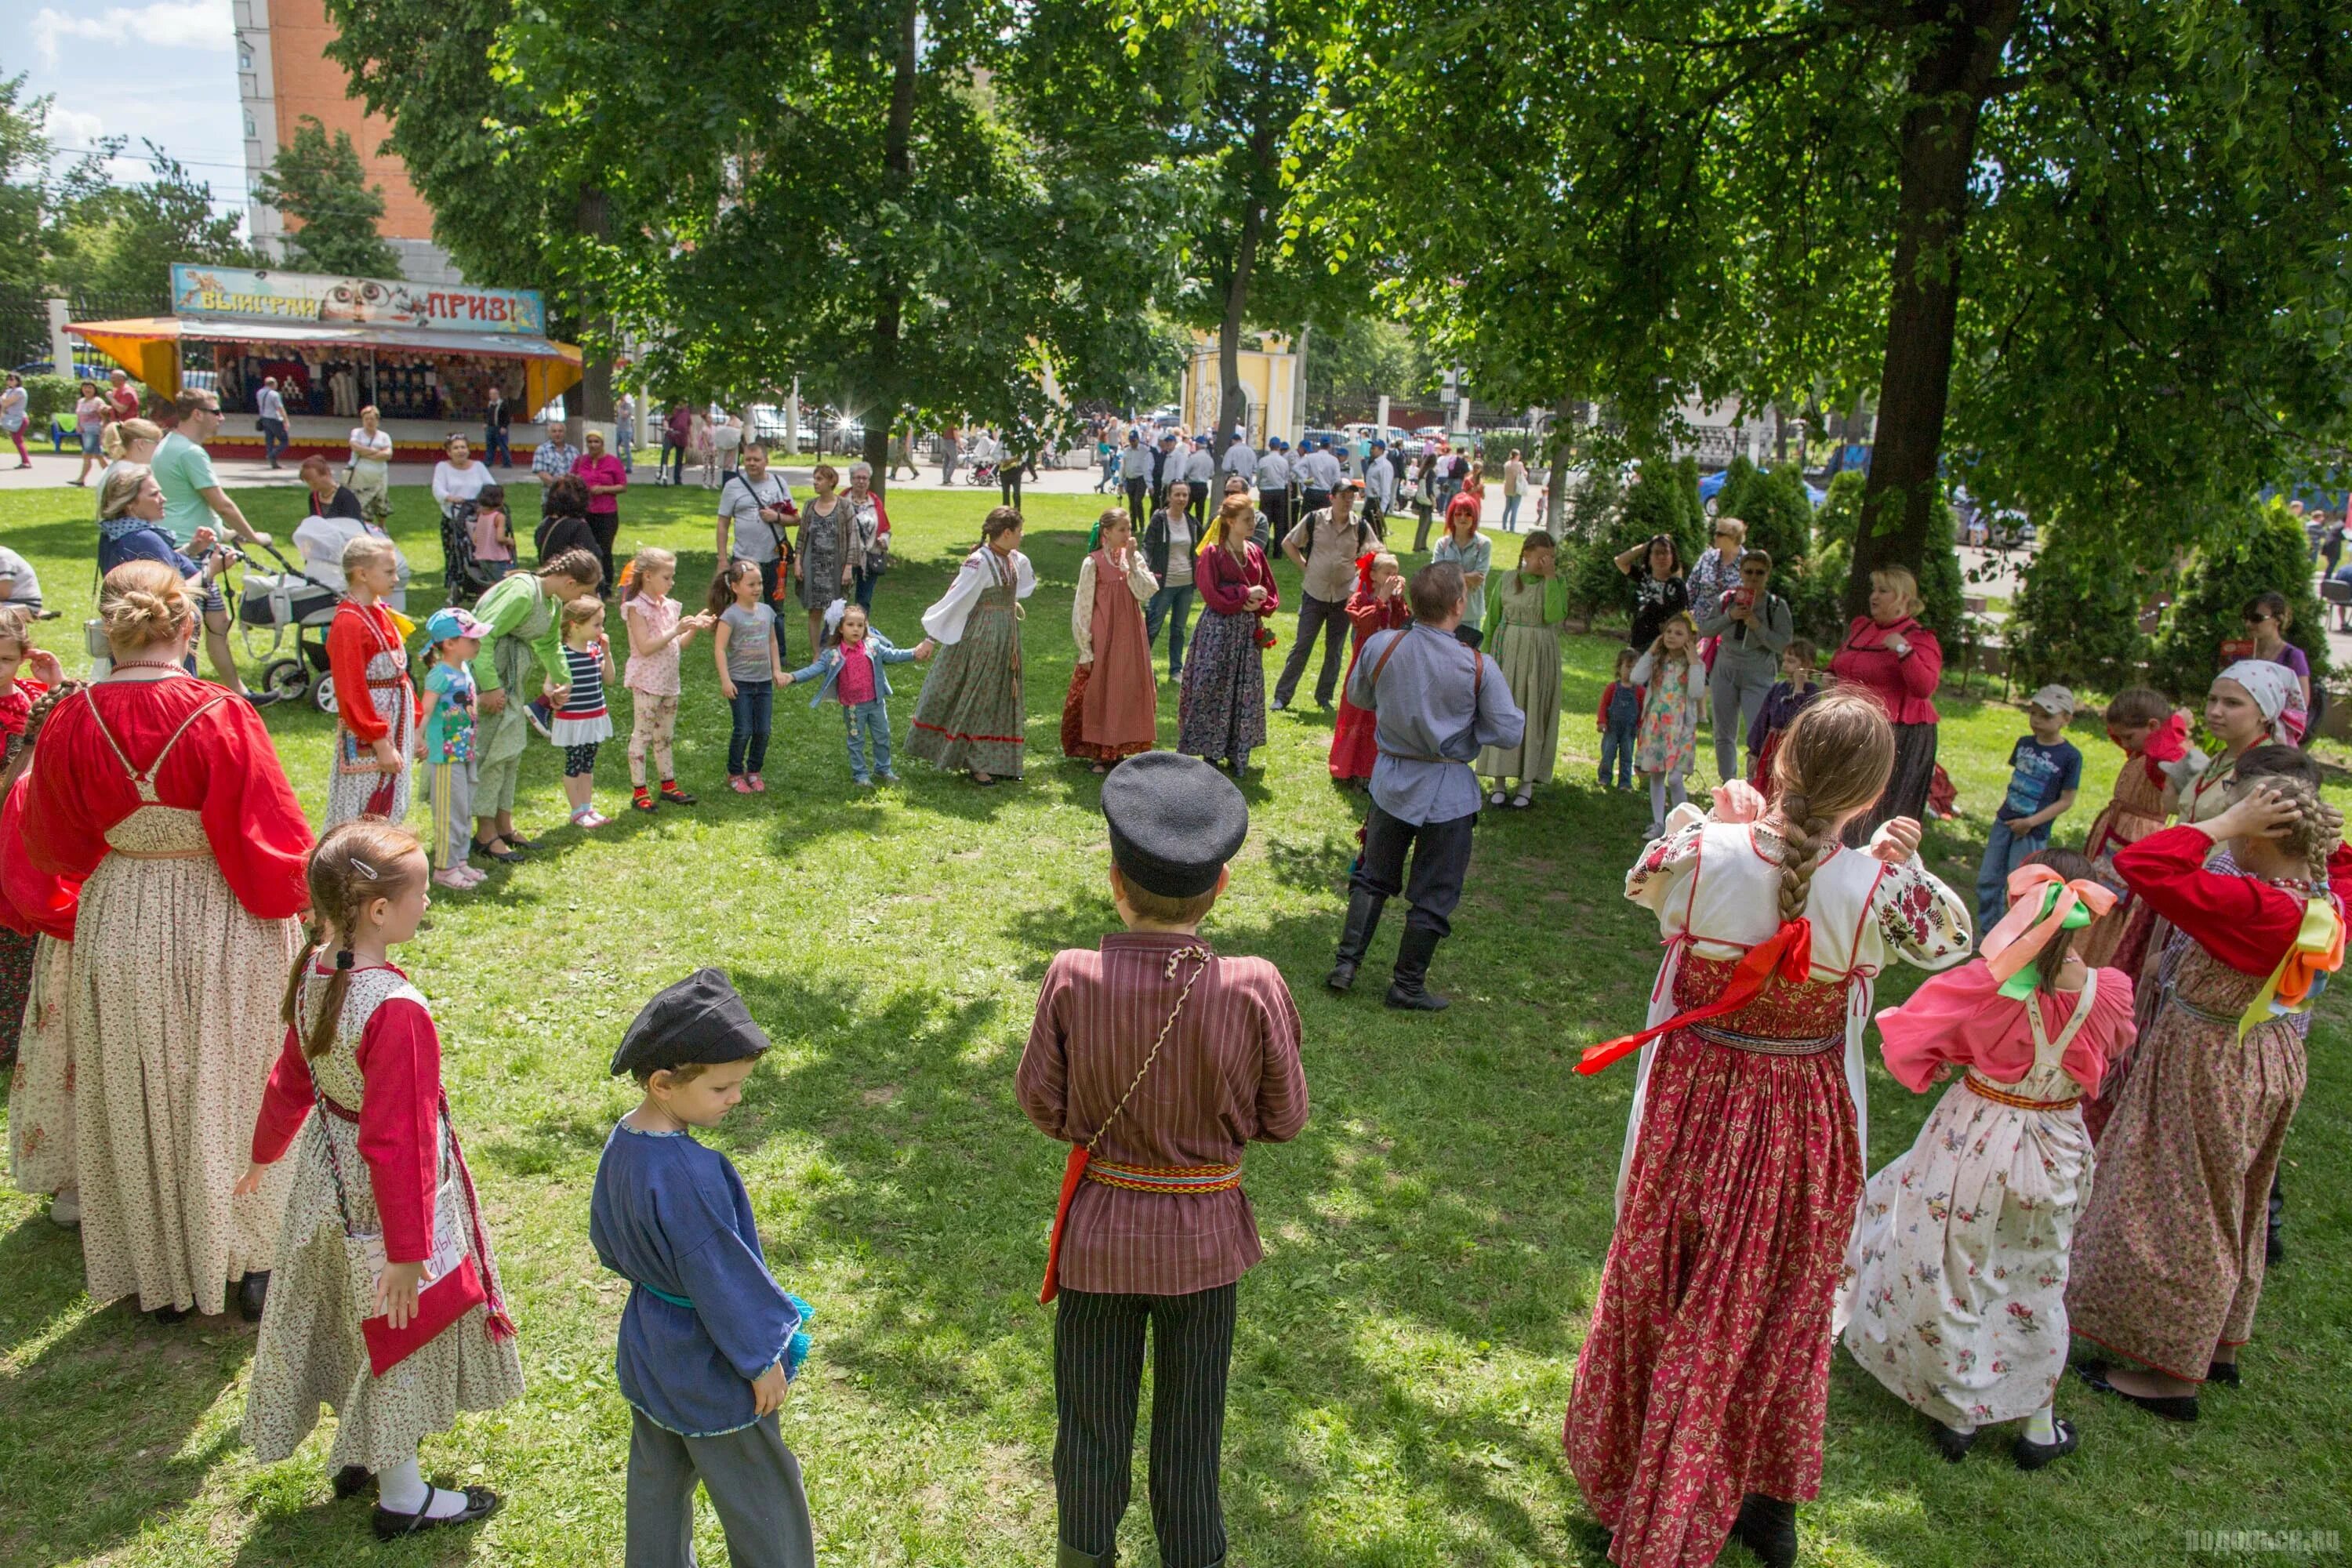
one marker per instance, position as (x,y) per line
(525,661)
(971,714)
(1526,615)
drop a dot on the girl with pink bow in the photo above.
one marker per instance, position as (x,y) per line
(1957,1273)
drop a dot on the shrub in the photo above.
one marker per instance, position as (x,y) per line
(1940,579)
(1779,514)
(48,397)
(1816,594)
(1689,509)
(1841,515)
(1733,497)
(1818,604)
(2076,617)
(2250,550)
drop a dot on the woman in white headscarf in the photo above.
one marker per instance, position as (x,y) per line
(2245,708)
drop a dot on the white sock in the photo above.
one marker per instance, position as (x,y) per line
(1658,797)
(2042,1426)
(401,1489)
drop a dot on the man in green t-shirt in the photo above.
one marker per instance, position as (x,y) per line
(193,498)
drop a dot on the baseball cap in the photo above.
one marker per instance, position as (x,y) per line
(2054,700)
(443,625)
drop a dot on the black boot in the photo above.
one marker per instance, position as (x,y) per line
(1363,920)
(1071,1557)
(252,1293)
(1405,987)
(1766,1526)
(2274,1244)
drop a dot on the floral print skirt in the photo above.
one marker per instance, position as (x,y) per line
(1959,1265)
(1704,1374)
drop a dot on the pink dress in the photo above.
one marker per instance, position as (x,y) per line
(1957,1273)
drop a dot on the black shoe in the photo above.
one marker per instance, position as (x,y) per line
(1953,1444)
(264,699)
(1405,989)
(167,1316)
(2224,1372)
(480,1503)
(507,856)
(252,1293)
(2273,1249)
(2170,1406)
(1766,1526)
(352,1480)
(2032,1456)
(1363,920)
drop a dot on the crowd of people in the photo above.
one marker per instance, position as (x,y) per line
(190,973)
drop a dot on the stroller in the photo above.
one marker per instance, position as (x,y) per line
(270,606)
(467,575)
(980,473)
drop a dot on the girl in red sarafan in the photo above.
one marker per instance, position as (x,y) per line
(1377,604)
(1703,1385)
(2168,1260)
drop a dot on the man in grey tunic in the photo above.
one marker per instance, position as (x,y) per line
(1437,702)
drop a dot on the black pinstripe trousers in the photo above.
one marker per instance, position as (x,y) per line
(1098,1384)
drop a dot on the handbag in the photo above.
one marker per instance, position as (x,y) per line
(454,1285)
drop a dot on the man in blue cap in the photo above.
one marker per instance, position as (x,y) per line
(1158,1063)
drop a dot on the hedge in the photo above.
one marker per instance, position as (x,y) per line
(2255,549)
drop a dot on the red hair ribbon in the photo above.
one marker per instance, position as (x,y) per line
(1364,570)
(1788,951)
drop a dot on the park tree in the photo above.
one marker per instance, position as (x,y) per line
(460,127)
(1205,97)
(120,240)
(318,183)
(25,150)
(2084,251)
(843,191)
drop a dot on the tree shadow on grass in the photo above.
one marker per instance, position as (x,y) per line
(78,1487)
(42,1264)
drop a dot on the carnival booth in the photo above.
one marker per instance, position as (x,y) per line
(425,355)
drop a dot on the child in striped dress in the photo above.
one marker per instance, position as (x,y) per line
(583,723)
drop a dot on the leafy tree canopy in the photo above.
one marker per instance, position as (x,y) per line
(319,184)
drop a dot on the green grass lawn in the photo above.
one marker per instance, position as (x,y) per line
(1433,1237)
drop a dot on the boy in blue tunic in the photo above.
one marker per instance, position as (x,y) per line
(710,1341)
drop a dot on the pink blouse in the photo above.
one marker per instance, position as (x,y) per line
(1959,1018)
(652,674)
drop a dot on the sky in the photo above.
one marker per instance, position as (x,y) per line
(73,53)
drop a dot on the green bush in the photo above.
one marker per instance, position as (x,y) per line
(1653,506)
(48,397)
(1939,579)
(2075,620)
(1689,509)
(1733,496)
(1779,514)
(1841,515)
(1816,594)
(2250,550)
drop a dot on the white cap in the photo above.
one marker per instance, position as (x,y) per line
(2054,700)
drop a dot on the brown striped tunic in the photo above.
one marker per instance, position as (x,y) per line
(1228,1075)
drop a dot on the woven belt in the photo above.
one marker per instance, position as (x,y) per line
(387,683)
(161,853)
(1765,1045)
(2173,998)
(1180,1179)
(2001,1095)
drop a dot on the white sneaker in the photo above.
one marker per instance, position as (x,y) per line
(65,1210)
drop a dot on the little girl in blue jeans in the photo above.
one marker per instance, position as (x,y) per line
(851,668)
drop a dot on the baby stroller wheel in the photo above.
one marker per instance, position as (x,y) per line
(323,694)
(285,678)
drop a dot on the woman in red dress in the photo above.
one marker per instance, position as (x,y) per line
(1890,655)
(1377,604)
(1703,1385)
(164,794)
(1112,710)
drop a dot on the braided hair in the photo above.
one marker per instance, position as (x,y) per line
(2289,773)
(1834,761)
(354,864)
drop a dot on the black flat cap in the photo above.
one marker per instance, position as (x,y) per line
(1174,822)
(699,1020)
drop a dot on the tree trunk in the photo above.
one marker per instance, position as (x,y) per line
(591,218)
(1232,405)
(1948,88)
(1566,417)
(883,411)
